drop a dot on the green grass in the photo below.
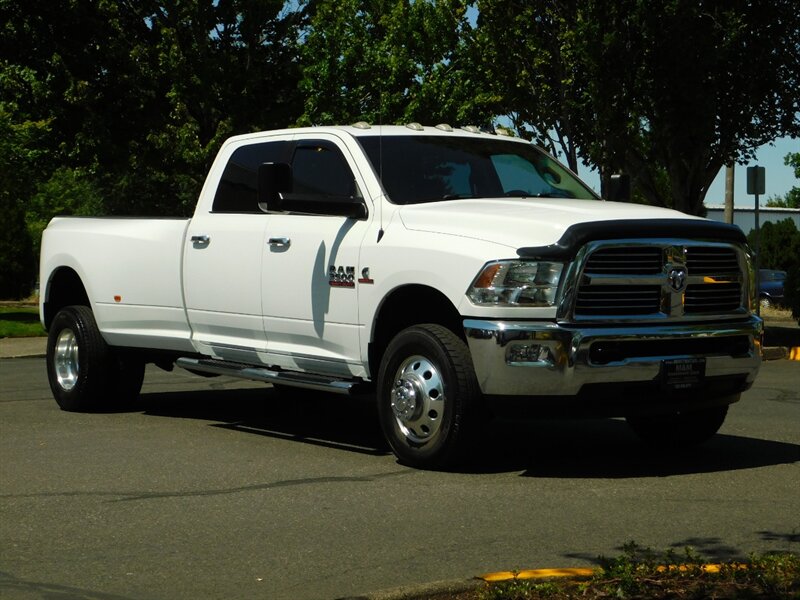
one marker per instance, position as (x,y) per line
(20,321)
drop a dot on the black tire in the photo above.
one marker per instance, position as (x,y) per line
(428,397)
(85,374)
(681,429)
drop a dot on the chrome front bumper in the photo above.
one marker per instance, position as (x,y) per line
(536,358)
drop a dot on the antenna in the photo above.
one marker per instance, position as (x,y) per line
(380,165)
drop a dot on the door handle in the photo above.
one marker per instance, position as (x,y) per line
(200,239)
(280,242)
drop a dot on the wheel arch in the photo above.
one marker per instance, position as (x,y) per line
(406,306)
(64,288)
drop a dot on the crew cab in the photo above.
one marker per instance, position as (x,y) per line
(453,274)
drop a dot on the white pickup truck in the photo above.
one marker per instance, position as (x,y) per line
(454,274)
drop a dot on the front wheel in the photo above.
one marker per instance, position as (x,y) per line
(428,397)
(679,429)
(84,373)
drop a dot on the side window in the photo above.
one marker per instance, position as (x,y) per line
(238,188)
(320,169)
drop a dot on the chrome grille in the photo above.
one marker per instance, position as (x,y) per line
(661,279)
(711,260)
(627,260)
(705,298)
(599,300)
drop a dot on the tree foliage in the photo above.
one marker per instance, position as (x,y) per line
(386,61)
(119,106)
(525,57)
(667,90)
(779,248)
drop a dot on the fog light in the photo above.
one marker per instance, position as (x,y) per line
(528,354)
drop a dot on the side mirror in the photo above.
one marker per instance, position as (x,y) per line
(619,188)
(274,179)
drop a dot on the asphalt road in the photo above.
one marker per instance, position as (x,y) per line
(215,488)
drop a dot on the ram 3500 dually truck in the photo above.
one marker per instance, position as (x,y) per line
(454,274)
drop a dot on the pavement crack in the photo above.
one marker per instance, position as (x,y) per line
(132,497)
(263,486)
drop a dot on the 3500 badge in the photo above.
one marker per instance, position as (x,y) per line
(346,276)
(342,276)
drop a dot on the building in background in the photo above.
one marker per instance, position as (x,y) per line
(745,217)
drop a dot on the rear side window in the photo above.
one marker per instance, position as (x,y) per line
(238,189)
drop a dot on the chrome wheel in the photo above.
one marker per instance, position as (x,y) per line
(428,397)
(417,399)
(65,359)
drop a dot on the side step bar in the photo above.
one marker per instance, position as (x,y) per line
(302,380)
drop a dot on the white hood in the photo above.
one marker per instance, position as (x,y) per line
(521,222)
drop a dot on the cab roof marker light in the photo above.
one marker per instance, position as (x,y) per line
(504,132)
(444,127)
(362,125)
(471,129)
(414,126)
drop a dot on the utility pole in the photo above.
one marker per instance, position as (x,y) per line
(729,193)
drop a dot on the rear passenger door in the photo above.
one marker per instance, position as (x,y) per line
(310,270)
(223,259)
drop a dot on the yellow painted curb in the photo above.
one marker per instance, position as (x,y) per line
(537,574)
(587,572)
(794,353)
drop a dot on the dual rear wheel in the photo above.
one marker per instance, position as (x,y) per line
(85,373)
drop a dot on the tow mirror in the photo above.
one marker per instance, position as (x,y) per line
(274,179)
(619,188)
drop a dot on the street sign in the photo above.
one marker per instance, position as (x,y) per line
(756,180)
(756,185)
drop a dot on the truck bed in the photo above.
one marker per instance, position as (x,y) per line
(131,268)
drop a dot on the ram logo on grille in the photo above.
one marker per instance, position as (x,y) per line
(677,278)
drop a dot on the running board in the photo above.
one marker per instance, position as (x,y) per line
(319,383)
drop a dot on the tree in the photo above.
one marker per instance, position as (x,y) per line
(21,157)
(524,55)
(779,248)
(792,198)
(119,107)
(667,90)
(385,61)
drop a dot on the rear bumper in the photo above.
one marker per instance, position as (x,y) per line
(535,358)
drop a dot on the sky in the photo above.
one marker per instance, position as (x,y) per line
(779,177)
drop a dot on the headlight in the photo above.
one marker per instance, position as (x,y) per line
(516,283)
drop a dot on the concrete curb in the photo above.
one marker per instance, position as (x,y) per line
(423,590)
(458,586)
(34,347)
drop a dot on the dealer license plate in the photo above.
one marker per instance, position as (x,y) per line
(683,373)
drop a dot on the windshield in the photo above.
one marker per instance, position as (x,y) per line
(417,169)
